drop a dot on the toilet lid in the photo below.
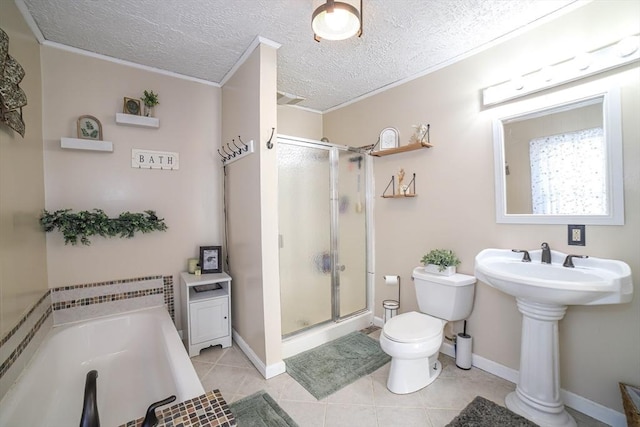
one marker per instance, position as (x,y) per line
(412,327)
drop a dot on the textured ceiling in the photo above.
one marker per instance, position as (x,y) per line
(205,38)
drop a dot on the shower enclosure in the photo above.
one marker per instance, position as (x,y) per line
(323,234)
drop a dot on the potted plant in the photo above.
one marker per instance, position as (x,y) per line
(441,261)
(149,100)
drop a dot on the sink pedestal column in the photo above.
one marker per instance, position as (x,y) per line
(537,396)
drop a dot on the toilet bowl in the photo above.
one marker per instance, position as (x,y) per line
(413,341)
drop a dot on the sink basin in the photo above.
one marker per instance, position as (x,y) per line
(593,281)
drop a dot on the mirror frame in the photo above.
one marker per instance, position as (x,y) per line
(613,135)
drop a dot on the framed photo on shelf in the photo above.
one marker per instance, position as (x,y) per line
(131,106)
(89,128)
(389,138)
(211,259)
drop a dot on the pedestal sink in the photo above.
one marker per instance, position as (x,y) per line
(543,292)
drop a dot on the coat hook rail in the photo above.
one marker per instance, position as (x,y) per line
(237,155)
(269,143)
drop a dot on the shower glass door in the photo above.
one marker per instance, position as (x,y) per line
(322,234)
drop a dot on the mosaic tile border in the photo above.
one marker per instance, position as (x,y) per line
(209,409)
(111,282)
(13,357)
(169,297)
(24,318)
(106,298)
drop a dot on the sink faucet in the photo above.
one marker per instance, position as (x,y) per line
(546,253)
(90,416)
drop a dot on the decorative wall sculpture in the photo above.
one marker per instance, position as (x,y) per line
(12,98)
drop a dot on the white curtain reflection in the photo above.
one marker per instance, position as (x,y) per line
(568,173)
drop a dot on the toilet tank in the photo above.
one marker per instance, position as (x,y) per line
(445,297)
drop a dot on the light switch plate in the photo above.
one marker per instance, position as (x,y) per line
(576,235)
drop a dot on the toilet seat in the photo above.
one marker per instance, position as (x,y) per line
(413,327)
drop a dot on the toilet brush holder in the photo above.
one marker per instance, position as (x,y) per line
(463,351)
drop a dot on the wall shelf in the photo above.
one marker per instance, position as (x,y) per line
(398,196)
(402,149)
(86,144)
(140,121)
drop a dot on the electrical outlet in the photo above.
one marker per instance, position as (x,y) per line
(576,235)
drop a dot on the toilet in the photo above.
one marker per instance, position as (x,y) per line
(413,339)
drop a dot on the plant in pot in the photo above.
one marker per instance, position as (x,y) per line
(149,100)
(441,261)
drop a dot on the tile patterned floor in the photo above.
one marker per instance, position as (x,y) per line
(364,403)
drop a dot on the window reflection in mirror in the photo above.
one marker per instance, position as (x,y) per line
(561,163)
(557,162)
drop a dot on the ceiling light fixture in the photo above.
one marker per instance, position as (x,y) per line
(337,20)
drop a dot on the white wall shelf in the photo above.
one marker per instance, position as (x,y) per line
(86,144)
(140,121)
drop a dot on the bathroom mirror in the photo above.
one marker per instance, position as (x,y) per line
(558,159)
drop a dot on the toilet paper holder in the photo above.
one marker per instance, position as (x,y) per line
(391,306)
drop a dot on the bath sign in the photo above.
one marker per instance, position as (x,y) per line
(146,159)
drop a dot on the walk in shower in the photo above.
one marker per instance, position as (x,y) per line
(323,218)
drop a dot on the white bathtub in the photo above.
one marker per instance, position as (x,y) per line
(139,358)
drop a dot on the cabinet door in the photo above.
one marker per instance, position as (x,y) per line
(209,320)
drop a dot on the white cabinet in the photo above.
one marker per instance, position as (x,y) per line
(206,314)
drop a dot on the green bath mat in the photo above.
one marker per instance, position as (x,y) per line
(328,368)
(260,410)
(484,413)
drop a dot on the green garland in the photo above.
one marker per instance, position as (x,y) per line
(84,224)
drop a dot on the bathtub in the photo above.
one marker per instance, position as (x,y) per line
(139,358)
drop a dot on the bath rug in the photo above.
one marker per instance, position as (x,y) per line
(260,410)
(328,368)
(484,413)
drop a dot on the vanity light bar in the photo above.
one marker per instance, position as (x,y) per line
(582,65)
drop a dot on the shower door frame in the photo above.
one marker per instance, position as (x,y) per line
(334,158)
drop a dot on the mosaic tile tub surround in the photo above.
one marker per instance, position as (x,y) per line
(209,409)
(74,303)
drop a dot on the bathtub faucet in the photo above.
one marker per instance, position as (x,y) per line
(150,419)
(90,416)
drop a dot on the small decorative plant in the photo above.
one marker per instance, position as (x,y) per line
(84,224)
(443,258)
(149,100)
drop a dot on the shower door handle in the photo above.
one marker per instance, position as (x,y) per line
(341,267)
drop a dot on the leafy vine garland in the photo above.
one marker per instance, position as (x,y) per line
(85,224)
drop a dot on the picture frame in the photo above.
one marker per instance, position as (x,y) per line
(132,106)
(211,259)
(389,138)
(89,127)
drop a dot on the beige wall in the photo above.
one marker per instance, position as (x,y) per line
(189,199)
(23,258)
(299,122)
(249,110)
(600,345)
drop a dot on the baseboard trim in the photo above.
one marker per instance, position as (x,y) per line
(572,400)
(267,371)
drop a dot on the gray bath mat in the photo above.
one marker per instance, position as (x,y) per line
(331,366)
(484,413)
(260,410)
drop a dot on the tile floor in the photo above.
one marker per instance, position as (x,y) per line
(364,403)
